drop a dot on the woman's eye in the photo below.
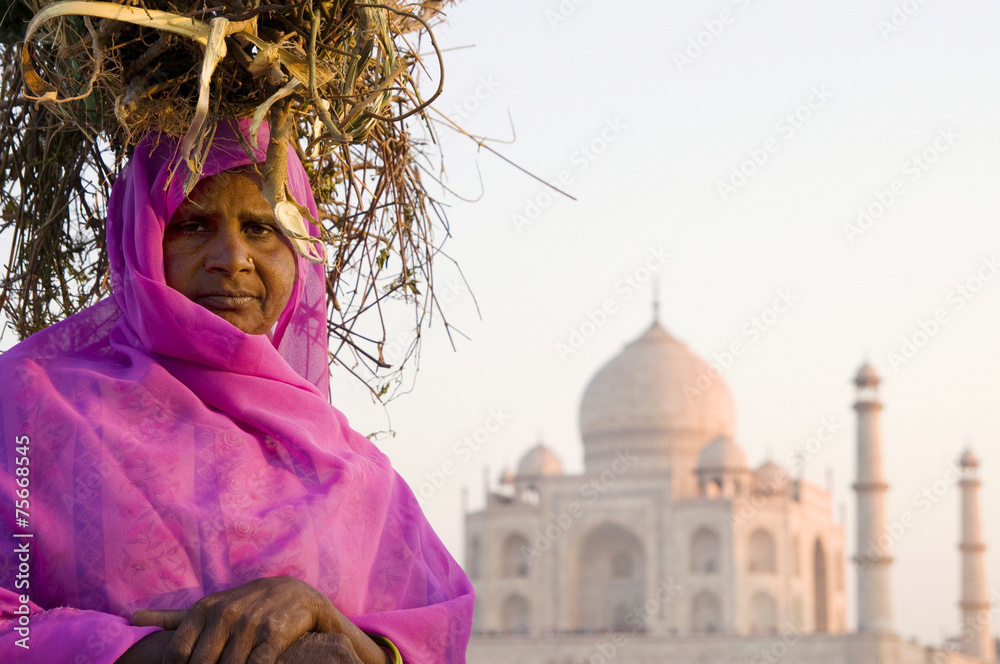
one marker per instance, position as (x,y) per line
(260,229)
(189,226)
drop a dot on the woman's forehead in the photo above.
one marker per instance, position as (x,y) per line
(234,190)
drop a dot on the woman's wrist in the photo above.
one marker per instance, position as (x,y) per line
(365,646)
(392,655)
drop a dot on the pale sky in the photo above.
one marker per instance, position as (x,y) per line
(826,108)
(725,150)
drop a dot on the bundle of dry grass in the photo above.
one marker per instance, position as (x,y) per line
(335,78)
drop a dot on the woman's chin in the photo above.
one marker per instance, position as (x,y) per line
(246,321)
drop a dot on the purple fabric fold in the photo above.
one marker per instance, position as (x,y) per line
(171,455)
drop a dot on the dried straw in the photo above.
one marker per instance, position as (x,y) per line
(335,78)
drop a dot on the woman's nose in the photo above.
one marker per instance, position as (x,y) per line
(227,252)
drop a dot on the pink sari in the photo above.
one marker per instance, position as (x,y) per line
(171,455)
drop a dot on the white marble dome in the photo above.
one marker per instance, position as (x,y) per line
(657,384)
(539,461)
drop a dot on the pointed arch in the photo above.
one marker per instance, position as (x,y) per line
(612,576)
(706,613)
(763,613)
(516,614)
(762,552)
(706,551)
(515,562)
(622,616)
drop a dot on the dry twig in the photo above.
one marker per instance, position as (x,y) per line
(339,72)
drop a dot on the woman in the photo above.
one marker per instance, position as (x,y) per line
(185,466)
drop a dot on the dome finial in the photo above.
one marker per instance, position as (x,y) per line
(656,301)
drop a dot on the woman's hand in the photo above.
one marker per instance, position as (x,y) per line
(254,623)
(330,648)
(147,650)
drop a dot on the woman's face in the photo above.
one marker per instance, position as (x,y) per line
(223,250)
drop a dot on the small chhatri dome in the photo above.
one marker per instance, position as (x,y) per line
(969,459)
(771,478)
(537,461)
(867,376)
(722,454)
(656,384)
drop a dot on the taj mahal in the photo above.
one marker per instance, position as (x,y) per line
(670,548)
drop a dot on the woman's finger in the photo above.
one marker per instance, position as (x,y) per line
(266,653)
(186,636)
(238,647)
(211,645)
(329,647)
(167,619)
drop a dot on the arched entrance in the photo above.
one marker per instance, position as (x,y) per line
(612,581)
(515,562)
(706,613)
(516,615)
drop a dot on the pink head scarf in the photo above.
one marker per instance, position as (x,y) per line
(171,455)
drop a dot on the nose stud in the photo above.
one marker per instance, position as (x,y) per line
(250,260)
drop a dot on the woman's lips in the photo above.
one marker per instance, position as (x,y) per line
(225,301)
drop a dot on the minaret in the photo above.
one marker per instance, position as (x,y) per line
(874,555)
(976,637)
